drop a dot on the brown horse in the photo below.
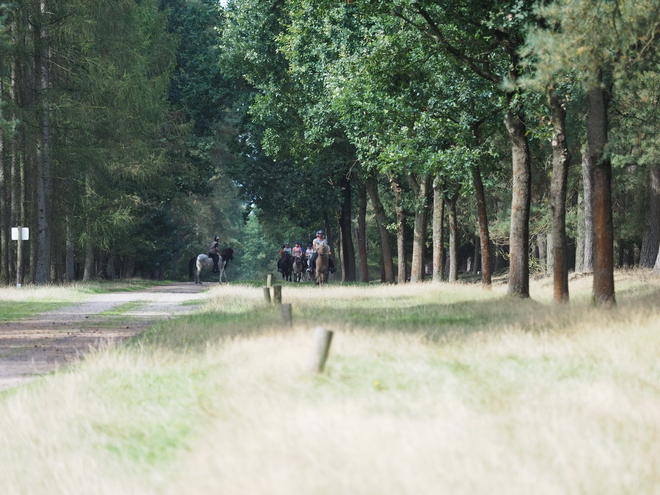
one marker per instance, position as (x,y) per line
(321,268)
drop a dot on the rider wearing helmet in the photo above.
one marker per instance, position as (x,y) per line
(309,252)
(284,252)
(214,253)
(297,250)
(320,239)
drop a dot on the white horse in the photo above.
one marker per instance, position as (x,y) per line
(200,261)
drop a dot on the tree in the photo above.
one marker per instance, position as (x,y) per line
(606,42)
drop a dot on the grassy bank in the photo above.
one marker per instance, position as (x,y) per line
(428,389)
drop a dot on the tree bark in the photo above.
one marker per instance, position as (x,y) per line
(89,272)
(5,227)
(651,241)
(345,224)
(70,270)
(484,233)
(420,185)
(453,239)
(43,178)
(438,228)
(381,221)
(579,240)
(561,158)
(400,231)
(362,233)
(587,186)
(520,207)
(542,244)
(597,128)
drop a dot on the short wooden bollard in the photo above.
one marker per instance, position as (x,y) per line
(277,294)
(269,280)
(286,314)
(322,340)
(267,295)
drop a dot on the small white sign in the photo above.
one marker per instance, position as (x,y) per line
(25,233)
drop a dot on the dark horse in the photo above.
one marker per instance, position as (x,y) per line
(200,261)
(298,268)
(285,265)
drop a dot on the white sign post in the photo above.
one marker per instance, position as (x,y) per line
(19,234)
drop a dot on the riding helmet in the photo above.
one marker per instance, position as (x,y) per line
(320,232)
(216,238)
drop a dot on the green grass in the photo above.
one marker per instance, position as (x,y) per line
(16,310)
(122,309)
(428,389)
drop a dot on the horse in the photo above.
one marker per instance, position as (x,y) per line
(286,266)
(200,261)
(298,268)
(321,269)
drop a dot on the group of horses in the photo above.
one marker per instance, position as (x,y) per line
(293,268)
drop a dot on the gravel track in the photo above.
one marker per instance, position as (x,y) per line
(42,343)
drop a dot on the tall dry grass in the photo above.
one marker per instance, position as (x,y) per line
(517,397)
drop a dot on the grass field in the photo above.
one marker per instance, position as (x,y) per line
(429,388)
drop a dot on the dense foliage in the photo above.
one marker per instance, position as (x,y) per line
(132,133)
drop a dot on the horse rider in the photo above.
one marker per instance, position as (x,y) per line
(320,239)
(286,248)
(214,253)
(309,252)
(297,250)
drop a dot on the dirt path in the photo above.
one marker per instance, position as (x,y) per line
(40,344)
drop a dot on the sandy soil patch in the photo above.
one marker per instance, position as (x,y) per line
(43,343)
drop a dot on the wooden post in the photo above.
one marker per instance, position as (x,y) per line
(19,258)
(286,314)
(277,294)
(267,295)
(322,340)
(269,280)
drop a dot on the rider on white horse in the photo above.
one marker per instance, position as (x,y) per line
(214,252)
(320,239)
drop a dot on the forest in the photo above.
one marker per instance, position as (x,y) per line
(431,140)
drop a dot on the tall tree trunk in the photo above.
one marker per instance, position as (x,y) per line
(549,253)
(420,185)
(453,239)
(43,178)
(362,232)
(70,269)
(579,240)
(330,238)
(651,241)
(561,158)
(438,227)
(400,231)
(587,186)
(542,244)
(484,233)
(345,224)
(89,273)
(477,257)
(597,127)
(520,206)
(381,221)
(5,227)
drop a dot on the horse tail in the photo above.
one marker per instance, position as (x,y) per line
(191,265)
